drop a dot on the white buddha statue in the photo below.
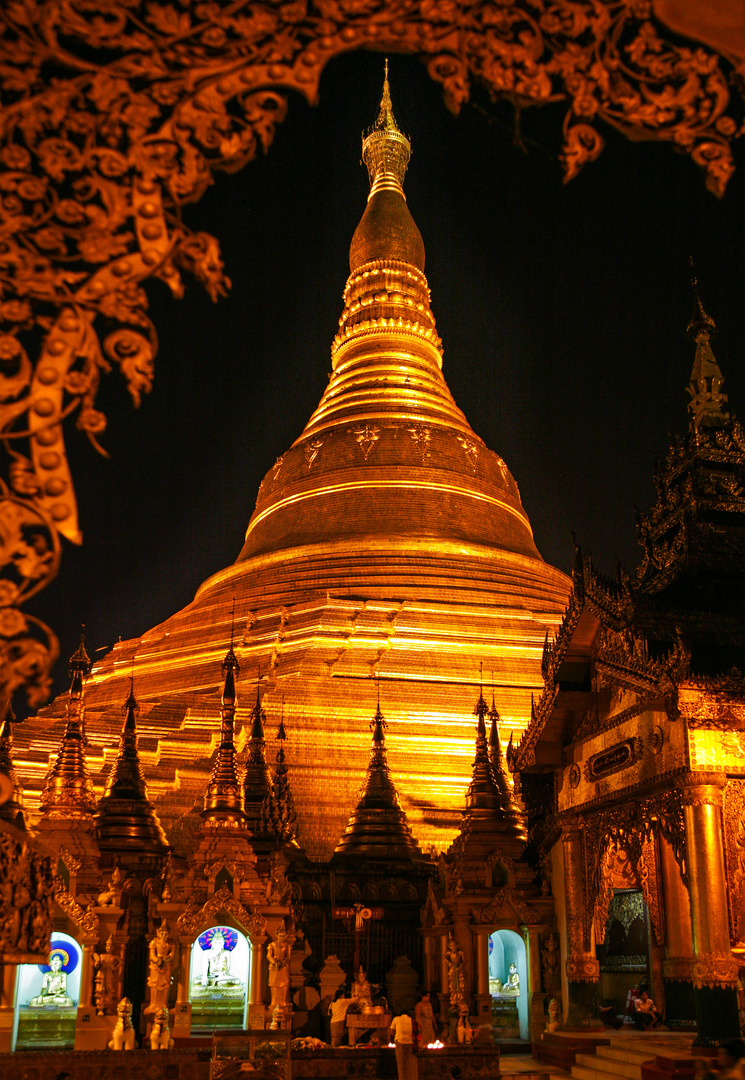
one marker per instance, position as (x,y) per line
(54,988)
(216,970)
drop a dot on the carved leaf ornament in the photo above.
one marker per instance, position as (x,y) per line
(116,113)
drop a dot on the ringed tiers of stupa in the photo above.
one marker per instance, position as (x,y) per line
(388,544)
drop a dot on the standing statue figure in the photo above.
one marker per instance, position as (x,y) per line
(162,955)
(160,1036)
(107,966)
(278,954)
(54,988)
(454,960)
(124,1034)
(551,962)
(362,991)
(112,894)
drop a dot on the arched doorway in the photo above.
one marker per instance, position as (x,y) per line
(219,979)
(47,998)
(508,974)
(624,954)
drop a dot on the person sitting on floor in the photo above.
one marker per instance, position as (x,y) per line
(646,1012)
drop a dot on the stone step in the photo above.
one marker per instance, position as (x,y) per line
(636,1055)
(586,1072)
(610,1066)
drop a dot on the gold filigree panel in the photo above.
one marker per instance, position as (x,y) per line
(117,113)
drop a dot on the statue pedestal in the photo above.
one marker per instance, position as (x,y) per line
(93,1032)
(181,1028)
(357,1023)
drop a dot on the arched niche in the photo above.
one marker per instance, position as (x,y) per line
(47,997)
(219,978)
(507,959)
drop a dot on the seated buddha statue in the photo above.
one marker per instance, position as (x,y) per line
(54,988)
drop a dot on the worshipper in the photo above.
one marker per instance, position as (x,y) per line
(646,1014)
(425,1018)
(338,1014)
(401,1033)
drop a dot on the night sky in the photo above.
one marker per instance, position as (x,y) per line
(562,310)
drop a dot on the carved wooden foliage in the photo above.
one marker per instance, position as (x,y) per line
(117,112)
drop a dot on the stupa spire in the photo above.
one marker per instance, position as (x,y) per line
(223,800)
(12,809)
(68,789)
(126,819)
(386,150)
(706,377)
(377,827)
(257,782)
(279,816)
(482,793)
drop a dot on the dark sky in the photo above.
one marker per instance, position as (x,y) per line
(562,311)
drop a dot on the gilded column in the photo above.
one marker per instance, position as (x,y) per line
(482,997)
(86,975)
(182,990)
(429,962)
(536,999)
(444,996)
(583,970)
(257,982)
(7,1006)
(680,1009)
(714,971)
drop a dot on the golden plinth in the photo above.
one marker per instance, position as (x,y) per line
(387,541)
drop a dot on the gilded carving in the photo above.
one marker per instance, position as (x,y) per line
(149,100)
(471,450)
(366,437)
(310,451)
(195,917)
(734,857)
(677,968)
(422,437)
(26,899)
(85,919)
(583,969)
(713,971)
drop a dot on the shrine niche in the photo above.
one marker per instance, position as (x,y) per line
(219,979)
(149,101)
(47,998)
(507,983)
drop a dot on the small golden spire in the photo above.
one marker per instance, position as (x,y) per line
(257,782)
(11,810)
(223,800)
(68,789)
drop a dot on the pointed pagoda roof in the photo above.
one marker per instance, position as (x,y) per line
(223,800)
(489,805)
(68,788)
(707,398)
(126,819)
(279,816)
(257,781)
(387,439)
(377,827)
(12,809)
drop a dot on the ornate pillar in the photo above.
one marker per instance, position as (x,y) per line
(680,1009)
(583,970)
(182,1009)
(714,971)
(536,999)
(256,992)
(182,988)
(86,975)
(7,1005)
(482,997)
(429,962)
(444,996)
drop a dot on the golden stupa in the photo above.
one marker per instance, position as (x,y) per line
(388,542)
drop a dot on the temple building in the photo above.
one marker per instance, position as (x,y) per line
(209,873)
(633,766)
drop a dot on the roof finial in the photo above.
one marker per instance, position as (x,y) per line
(385,149)
(706,377)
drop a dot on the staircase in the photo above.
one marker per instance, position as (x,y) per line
(612,1062)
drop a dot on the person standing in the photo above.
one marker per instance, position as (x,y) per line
(402,1034)
(338,1014)
(425,1018)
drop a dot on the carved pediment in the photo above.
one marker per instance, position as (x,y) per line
(252,923)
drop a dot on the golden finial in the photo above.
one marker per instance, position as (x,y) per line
(223,800)
(705,386)
(385,149)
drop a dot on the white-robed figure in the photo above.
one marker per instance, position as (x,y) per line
(216,971)
(54,988)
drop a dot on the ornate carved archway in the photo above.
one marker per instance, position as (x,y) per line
(116,113)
